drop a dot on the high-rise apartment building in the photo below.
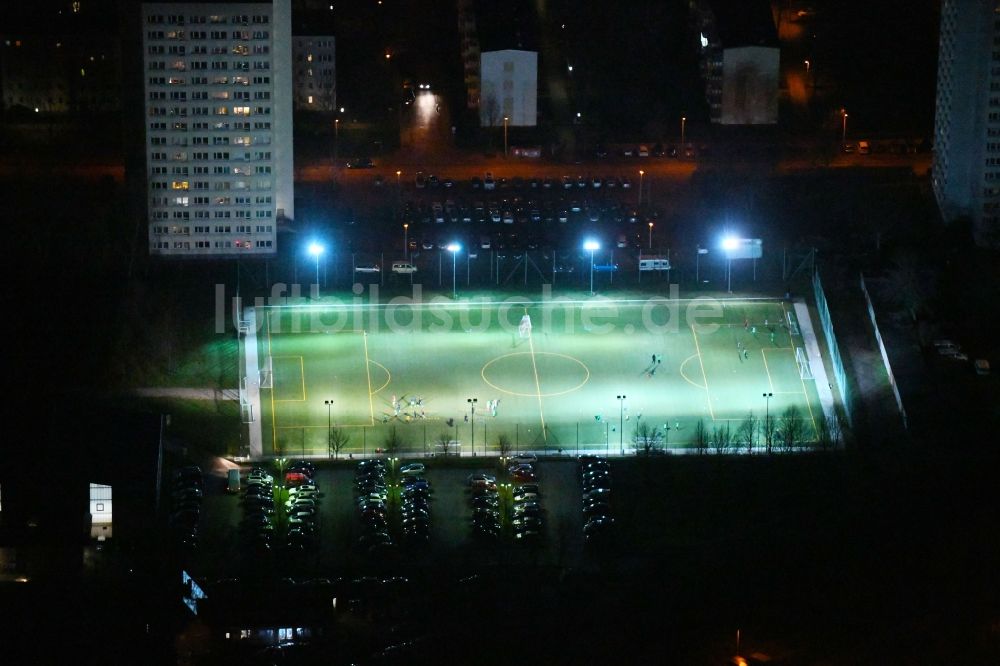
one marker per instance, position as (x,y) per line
(509,84)
(218,86)
(966,171)
(315,59)
(738,59)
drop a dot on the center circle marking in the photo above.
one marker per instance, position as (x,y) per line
(586,376)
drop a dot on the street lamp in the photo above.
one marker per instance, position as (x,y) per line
(316,249)
(336,137)
(406,241)
(505,121)
(767,415)
(650,235)
(683,122)
(641,174)
(399,188)
(453,248)
(621,422)
(472,403)
(808,64)
(697,263)
(843,129)
(329,426)
(591,246)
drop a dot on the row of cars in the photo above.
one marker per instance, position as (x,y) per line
(302,507)
(371,496)
(526,499)
(489,183)
(186,495)
(415,498)
(595,480)
(485,503)
(522,510)
(258,527)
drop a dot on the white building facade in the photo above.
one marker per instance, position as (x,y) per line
(508,88)
(314,59)
(739,61)
(218,92)
(749,86)
(966,170)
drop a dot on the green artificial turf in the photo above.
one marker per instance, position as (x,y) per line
(557,388)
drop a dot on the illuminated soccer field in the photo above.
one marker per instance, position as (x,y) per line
(677,363)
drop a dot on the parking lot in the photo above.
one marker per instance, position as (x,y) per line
(224,549)
(523,213)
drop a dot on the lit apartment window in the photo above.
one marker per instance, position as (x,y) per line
(179,185)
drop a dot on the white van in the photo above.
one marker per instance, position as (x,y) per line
(403,268)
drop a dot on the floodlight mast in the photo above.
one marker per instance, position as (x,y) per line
(453,248)
(316,249)
(591,246)
(729,243)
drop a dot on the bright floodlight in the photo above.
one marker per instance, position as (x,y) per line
(315,249)
(453,247)
(730,243)
(591,245)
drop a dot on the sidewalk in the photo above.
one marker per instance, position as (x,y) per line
(189,393)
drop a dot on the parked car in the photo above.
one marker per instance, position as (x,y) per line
(360,163)
(412,469)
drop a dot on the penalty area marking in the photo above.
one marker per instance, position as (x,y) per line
(388,376)
(688,379)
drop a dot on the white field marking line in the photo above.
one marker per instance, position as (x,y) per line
(467,304)
(368,371)
(784,316)
(708,394)
(274,414)
(538,384)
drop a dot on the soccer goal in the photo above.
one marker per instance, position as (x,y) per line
(793,325)
(524,328)
(805,371)
(267,373)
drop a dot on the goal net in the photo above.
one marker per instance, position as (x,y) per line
(793,325)
(805,371)
(524,328)
(267,373)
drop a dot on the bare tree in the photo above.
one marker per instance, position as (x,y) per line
(828,432)
(700,436)
(746,435)
(491,109)
(768,428)
(444,441)
(338,440)
(504,445)
(392,442)
(647,439)
(721,439)
(792,428)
